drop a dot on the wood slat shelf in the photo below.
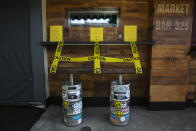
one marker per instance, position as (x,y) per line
(69,70)
(91,43)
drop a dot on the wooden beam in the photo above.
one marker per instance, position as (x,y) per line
(91,70)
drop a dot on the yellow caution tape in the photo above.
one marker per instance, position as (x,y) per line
(56,58)
(97,59)
(96,36)
(134,50)
(138,66)
(80,59)
(92,58)
(110,59)
(97,64)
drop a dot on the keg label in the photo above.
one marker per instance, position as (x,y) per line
(125,110)
(112,116)
(112,109)
(72,95)
(64,95)
(77,107)
(78,93)
(121,87)
(65,104)
(76,111)
(117,104)
(121,95)
(124,104)
(119,114)
(77,117)
(113,120)
(79,121)
(122,119)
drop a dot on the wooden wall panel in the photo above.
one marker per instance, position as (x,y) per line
(168,93)
(172,29)
(161,51)
(132,12)
(98,85)
(191,90)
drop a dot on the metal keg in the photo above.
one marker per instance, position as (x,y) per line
(72,102)
(119,102)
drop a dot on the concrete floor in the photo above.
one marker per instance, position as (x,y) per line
(140,120)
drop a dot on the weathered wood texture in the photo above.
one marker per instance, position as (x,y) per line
(172,28)
(191,90)
(132,12)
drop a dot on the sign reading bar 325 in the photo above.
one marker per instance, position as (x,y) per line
(168,25)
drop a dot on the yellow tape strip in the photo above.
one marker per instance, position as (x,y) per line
(134,50)
(92,58)
(97,64)
(80,59)
(110,59)
(56,57)
(138,66)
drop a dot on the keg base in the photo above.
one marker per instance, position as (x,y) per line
(73,120)
(119,124)
(72,125)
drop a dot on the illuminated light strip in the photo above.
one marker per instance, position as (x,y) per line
(56,57)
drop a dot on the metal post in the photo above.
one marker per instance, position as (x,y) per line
(71,79)
(120,79)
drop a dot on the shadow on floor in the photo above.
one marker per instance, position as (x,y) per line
(16,118)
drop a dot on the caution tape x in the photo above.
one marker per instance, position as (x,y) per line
(97,58)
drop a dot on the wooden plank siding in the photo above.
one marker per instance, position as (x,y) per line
(172,31)
(191,90)
(132,12)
